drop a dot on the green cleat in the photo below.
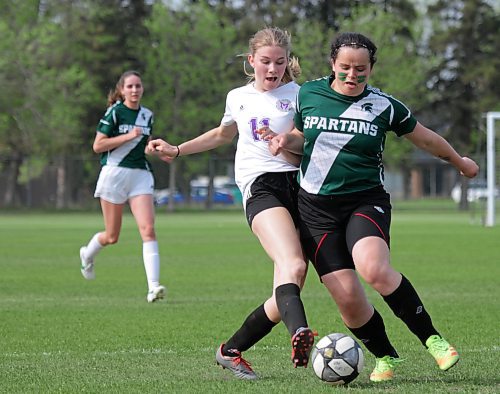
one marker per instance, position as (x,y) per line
(384,369)
(445,355)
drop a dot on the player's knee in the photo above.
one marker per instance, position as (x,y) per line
(355,310)
(377,276)
(373,278)
(351,301)
(290,270)
(110,239)
(298,269)
(147,232)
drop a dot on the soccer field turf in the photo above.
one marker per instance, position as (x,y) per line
(60,333)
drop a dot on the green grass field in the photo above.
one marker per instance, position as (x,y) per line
(60,333)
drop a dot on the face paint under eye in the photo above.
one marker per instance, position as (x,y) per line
(342,76)
(361,78)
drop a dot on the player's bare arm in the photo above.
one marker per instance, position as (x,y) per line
(292,142)
(103,143)
(292,158)
(211,139)
(161,149)
(431,142)
(276,149)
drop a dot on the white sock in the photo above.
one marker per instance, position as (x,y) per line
(151,257)
(93,247)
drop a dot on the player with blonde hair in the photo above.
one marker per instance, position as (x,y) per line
(268,185)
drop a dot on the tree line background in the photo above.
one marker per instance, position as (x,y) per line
(60,58)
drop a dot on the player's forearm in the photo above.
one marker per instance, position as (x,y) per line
(437,146)
(105,144)
(292,158)
(207,141)
(294,142)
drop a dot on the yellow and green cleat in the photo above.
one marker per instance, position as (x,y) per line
(445,355)
(384,369)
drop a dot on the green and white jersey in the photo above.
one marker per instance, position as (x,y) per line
(345,136)
(119,119)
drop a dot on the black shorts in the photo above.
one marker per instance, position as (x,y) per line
(273,189)
(331,225)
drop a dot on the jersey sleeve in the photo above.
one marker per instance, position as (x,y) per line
(151,122)
(403,121)
(228,118)
(297,118)
(108,122)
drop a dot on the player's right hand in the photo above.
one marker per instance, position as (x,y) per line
(266,133)
(469,167)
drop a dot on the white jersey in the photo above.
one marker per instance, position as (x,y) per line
(251,110)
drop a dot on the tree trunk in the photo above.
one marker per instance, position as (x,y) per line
(406,182)
(11,180)
(61,184)
(210,188)
(464,202)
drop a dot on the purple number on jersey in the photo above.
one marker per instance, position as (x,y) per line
(256,125)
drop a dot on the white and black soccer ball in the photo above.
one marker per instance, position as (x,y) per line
(337,359)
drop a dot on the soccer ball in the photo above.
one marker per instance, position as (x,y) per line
(337,359)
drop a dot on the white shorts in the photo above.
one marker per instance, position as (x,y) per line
(118,184)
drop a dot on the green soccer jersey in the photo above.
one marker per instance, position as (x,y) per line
(345,136)
(119,119)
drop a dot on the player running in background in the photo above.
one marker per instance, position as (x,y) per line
(268,185)
(341,126)
(121,139)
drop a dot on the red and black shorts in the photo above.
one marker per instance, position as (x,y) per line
(331,225)
(273,189)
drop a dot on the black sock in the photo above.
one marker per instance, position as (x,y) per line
(291,307)
(255,327)
(374,337)
(406,304)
